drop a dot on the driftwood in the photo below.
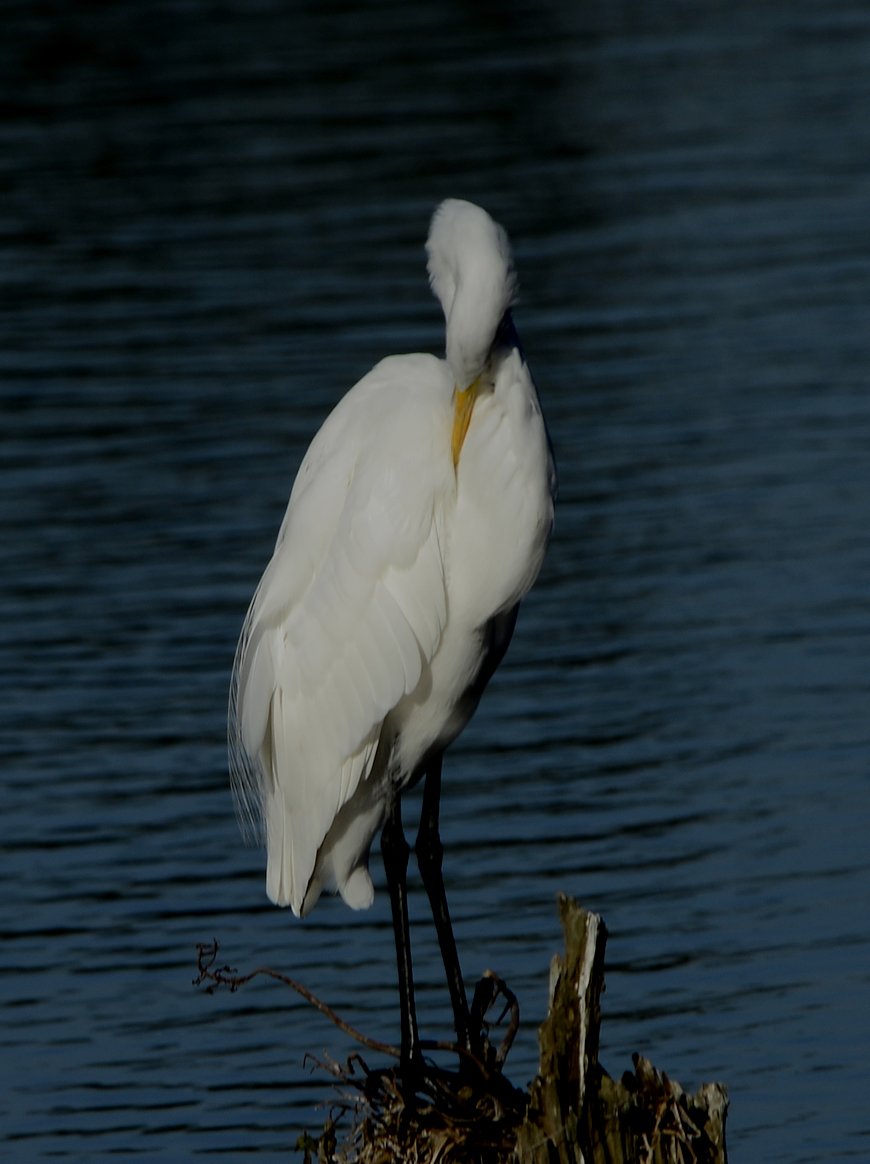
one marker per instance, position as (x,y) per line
(572,1113)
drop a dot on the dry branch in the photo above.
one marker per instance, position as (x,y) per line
(572,1113)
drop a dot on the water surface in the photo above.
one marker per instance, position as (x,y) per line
(211,224)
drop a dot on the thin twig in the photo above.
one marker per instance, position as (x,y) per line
(226,976)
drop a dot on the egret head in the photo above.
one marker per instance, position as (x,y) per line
(471,271)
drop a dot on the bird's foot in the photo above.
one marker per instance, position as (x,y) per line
(416,1085)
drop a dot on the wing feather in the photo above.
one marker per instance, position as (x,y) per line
(348,613)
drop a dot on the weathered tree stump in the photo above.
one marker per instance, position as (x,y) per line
(577,1112)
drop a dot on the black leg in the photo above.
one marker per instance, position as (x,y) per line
(395,852)
(430,853)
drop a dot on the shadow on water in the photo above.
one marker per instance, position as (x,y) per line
(212,224)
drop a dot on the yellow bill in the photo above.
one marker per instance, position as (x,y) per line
(462,409)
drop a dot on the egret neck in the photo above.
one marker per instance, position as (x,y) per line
(462,408)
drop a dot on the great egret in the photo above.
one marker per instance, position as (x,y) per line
(417,522)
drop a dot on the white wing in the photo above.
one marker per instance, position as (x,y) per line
(348,613)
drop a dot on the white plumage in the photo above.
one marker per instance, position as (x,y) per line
(418,520)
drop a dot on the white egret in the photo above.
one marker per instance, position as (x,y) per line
(417,522)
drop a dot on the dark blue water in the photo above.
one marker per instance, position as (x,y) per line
(211,224)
